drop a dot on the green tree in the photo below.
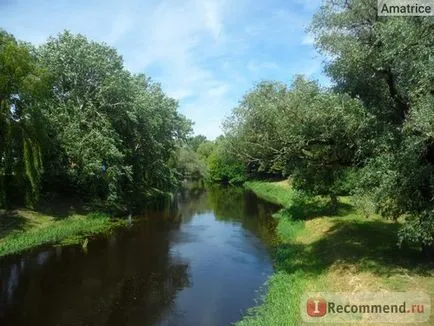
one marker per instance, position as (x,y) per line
(88,99)
(22,83)
(387,63)
(190,165)
(113,133)
(311,134)
(195,141)
(205,149)
(252,131)
(223,166)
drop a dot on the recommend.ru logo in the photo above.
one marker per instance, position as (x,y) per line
(367,307)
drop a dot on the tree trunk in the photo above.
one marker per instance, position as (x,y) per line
(333,204)
(401,106)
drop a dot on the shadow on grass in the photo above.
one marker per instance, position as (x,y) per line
(63,207)
(369,245)
(309,208)
(57,207)
(11,221)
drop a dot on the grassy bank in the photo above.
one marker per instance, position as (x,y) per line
(24,229)
(343,252)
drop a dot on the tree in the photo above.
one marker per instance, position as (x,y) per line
(205,149)
(323,142)
(157,132)
(223,166)
(387,63)
(22,82)
(190,165)
(88,100)
(73,119)
(252,131)
(195,141)
(314,135)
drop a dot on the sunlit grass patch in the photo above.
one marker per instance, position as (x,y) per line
(344,252)
(272,192)
(38,229)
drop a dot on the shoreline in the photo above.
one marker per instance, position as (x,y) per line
(319,252)
(23,229)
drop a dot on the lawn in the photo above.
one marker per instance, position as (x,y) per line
(343,252)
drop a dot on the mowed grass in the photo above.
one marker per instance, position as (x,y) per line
(344,252)
(24,229)
(275,192)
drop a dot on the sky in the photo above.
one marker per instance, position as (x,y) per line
(205,53)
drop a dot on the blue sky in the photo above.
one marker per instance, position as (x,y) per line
(205,53)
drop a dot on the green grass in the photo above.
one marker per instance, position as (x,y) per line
(343,252)
(272,192)
(24,229)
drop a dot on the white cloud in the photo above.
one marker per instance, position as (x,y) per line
(205,53)
(218,91)
(122,24)
(212,16)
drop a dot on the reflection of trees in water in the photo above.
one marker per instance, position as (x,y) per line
(9,279)
(237,204)
(231,204)
(191,200)
(227,203)
(11,270)
(129,279)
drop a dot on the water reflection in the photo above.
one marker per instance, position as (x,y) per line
(197,261)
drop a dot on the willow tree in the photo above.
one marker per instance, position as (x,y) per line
(387,62)
(311,134)
(252,129)
(21,129)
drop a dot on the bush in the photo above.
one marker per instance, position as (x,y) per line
(223,168)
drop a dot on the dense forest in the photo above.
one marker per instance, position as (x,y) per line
(74,120)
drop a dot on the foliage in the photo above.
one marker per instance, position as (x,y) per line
(205,149)
(371,134)
(342,253)
(223,167)
(387,63)
(252,131)
(22,84)
(190,165)
(195,141)
(74,120)
(312,134)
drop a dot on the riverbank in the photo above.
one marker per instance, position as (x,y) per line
(344,252)
(23,229)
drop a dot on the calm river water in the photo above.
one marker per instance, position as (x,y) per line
(199,261)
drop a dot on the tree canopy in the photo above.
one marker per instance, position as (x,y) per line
(370,134)
(74,120)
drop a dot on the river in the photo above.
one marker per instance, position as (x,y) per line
(202,260)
